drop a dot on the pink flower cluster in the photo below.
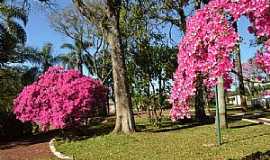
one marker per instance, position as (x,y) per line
(248,69)
(266,93)
(207,46)
(254,68)
(263,61)
(60,98)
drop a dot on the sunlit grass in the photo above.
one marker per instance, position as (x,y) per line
(177,142)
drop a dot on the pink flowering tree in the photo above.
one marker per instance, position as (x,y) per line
(59,99)
(254,69)
(208,44)
(262,60)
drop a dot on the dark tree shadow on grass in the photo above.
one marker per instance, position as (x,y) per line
(98,127)
(236,118)
(252,115)
(258,156)
(83,133)
(243,126)
(167,125)
(29,140)
(246,138)
(94,128)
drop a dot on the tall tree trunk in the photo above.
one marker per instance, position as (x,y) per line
(161,97)
(241,88)
(79,63)
(238,68)
(221,103)
(160,90)
(46,66)
(199,101)
(206,102)
(124,114)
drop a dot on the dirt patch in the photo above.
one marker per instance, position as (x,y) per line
(30,148)
(24,151)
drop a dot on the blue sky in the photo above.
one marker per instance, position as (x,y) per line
(247,51)
(39,32)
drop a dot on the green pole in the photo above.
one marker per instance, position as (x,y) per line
(218,130)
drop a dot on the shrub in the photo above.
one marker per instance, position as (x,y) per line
(60,99)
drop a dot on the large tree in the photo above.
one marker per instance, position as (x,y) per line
(105,15)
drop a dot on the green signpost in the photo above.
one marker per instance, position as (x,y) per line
(218,130)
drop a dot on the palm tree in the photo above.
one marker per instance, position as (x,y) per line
(42,57)
(12,32)
(67,60)
(75,58)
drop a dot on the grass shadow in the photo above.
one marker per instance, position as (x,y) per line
(30,140)
(93,129)
(243,126)
(96,127)
(246,138)
(167,125)
(251,115)
(258,156)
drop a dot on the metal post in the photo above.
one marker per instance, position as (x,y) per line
(218,130)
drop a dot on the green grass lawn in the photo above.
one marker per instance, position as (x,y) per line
(175,141)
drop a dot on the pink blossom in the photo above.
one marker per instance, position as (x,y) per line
(60,98)
(262,60)
(207,46)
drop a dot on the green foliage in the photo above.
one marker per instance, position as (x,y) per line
(154,71)
(103,65)
(42,57)
(149,58)
(10,85)
(11,128)
(29,76)
(73,56)
(12,80)
(12,33)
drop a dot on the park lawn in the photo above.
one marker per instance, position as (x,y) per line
(186,141)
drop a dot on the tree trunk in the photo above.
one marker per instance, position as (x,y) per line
(241,88)
(199,101)
(161,97)
(124,115)
(207,106)
(79,63)
(111,31)
(238,67)
(46,66)
(221,103)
